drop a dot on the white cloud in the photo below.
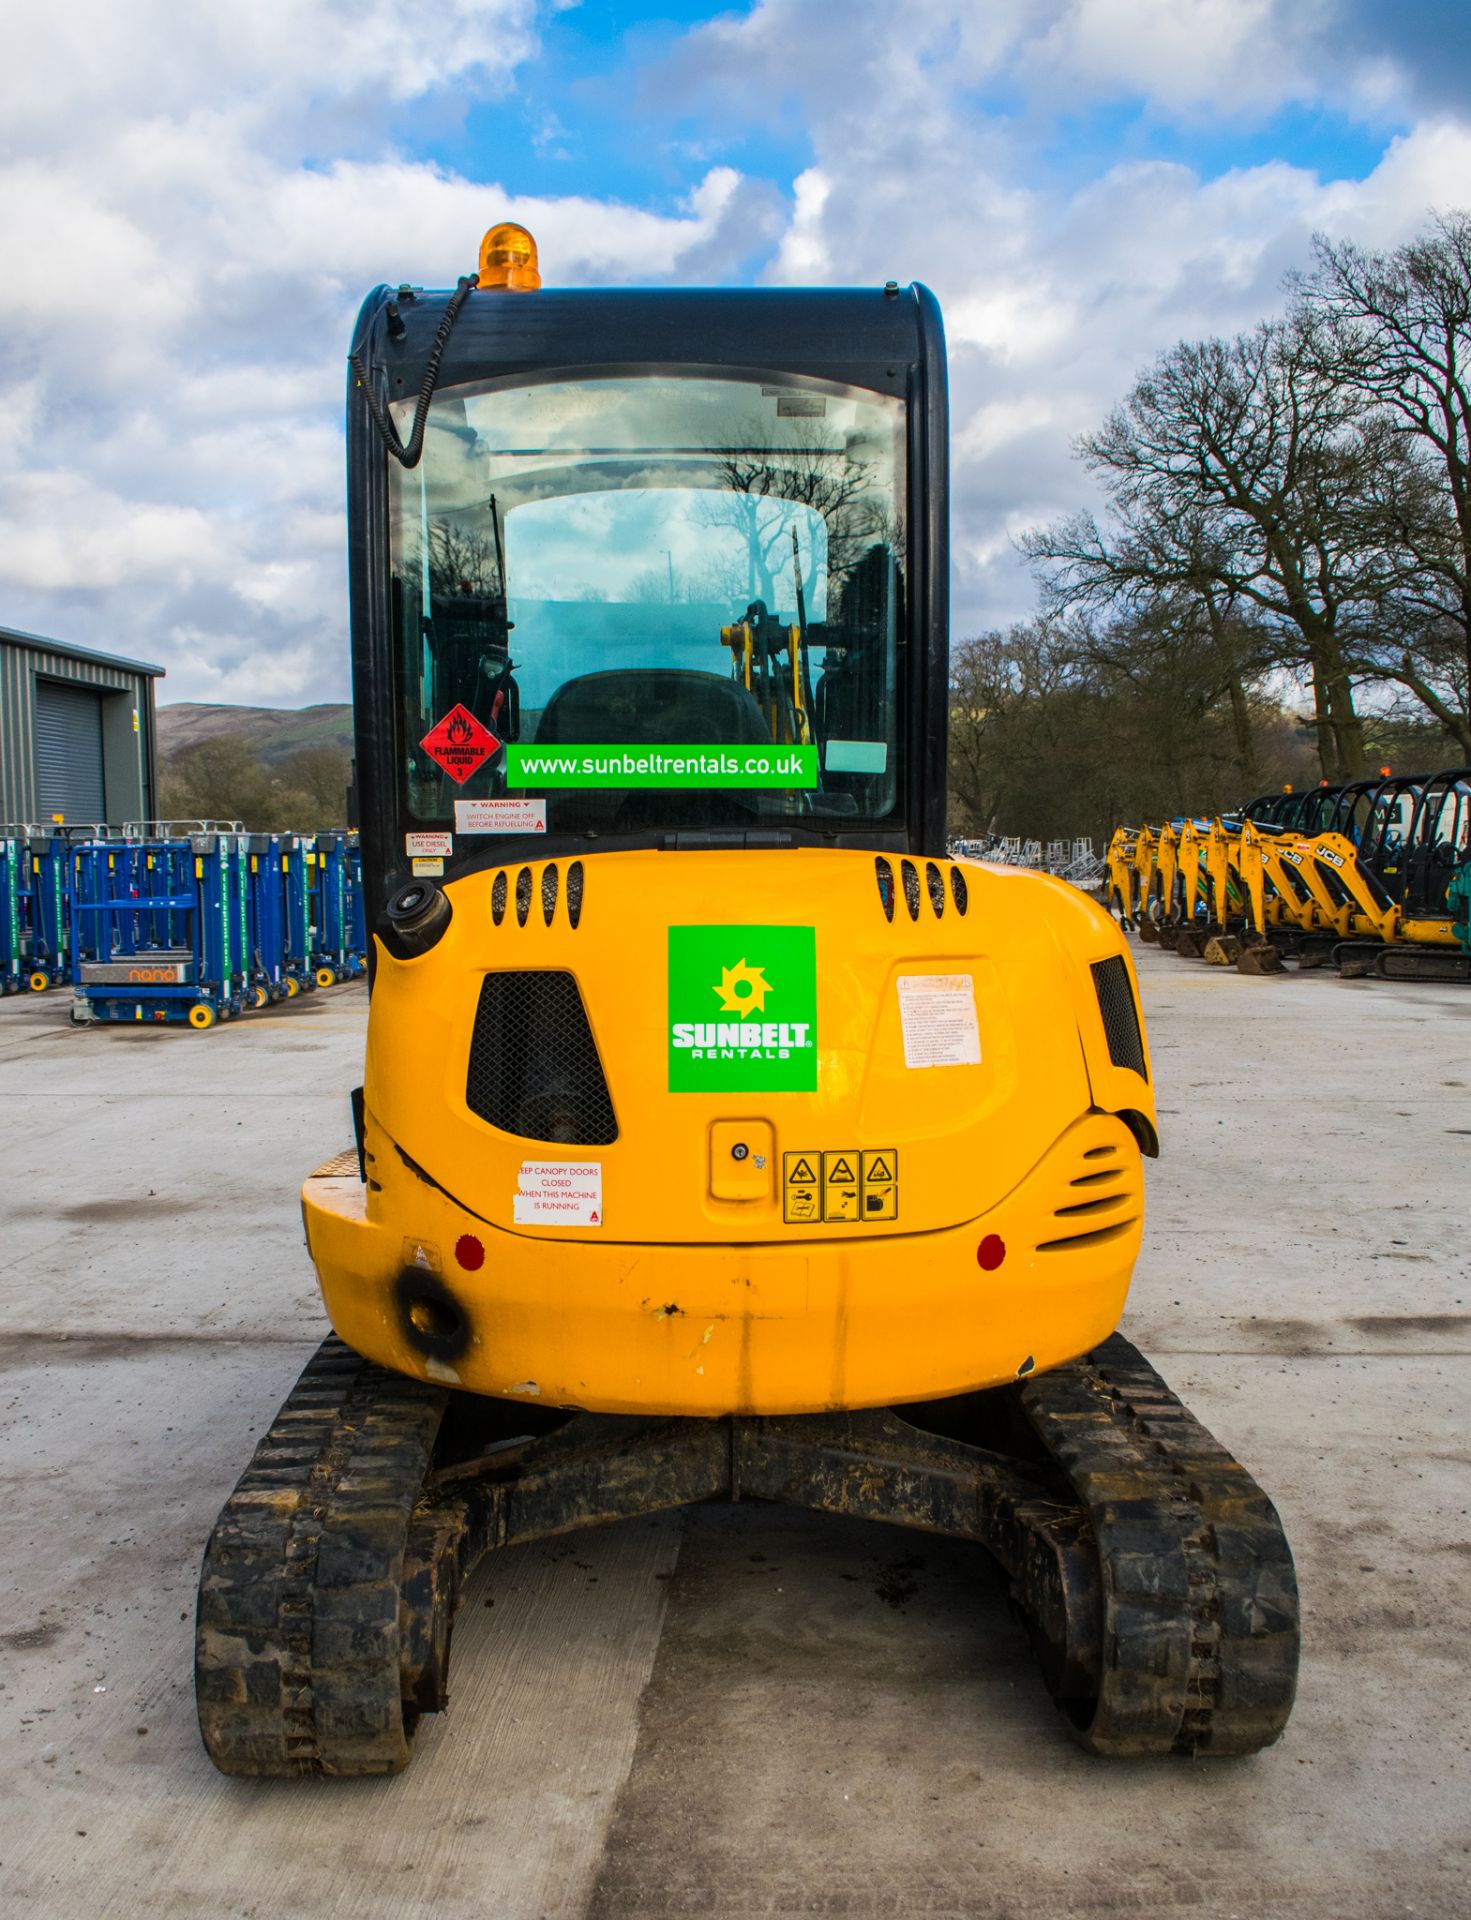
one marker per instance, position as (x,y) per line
(182,285)
(1178,53)
(1056,294)
(193,200)
(95,64)
(1048,330)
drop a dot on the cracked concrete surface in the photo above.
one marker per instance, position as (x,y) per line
(742,1711)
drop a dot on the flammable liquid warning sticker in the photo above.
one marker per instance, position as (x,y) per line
(500,816)
(558,1193)
(839,1186)
(459,744)
(429,846)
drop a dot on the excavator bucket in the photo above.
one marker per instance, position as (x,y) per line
(1263,958)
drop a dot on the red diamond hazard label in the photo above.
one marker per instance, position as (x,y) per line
(459,744)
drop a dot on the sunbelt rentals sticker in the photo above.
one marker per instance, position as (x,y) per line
(742,1009)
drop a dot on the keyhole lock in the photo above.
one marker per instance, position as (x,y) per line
(740,1159)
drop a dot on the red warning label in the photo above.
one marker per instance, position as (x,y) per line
(459,744)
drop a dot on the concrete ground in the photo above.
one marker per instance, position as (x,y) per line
(742,1712)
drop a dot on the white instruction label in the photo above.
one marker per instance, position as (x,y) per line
(937,1012)
(429,846)
(559,1193)
(500,816)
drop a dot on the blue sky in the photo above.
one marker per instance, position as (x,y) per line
(579,121)
(194,197)
(569,125)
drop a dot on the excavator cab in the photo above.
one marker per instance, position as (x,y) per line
(719,1136)
(648,539)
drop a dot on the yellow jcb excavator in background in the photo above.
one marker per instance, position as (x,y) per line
(1253,890)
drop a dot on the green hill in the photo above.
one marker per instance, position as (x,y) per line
(275,732)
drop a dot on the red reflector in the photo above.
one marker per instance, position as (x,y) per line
(469,1252)
(991,1252)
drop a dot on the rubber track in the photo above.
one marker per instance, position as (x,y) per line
(1200,1629)
(297,1666)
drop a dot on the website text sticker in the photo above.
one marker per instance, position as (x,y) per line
(671,766)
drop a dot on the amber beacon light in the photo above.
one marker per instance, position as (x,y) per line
(508,259)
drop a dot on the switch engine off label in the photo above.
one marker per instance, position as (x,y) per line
(839,1186)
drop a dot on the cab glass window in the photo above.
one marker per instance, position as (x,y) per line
(651,602)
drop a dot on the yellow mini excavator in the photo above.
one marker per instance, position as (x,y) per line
(719,1137)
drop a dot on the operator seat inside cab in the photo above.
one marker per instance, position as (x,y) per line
(654,707)
(651,707)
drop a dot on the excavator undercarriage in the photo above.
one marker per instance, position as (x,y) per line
(1149,1567)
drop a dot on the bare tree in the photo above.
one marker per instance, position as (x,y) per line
(1234,466)
(225,778)
(767,481)
(1167,576)
(462,561)
(1394,331)
(1062,728)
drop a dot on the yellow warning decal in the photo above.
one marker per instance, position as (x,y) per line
(881,1185)
(839,1186)
(801,1188)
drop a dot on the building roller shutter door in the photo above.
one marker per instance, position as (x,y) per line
(69,753)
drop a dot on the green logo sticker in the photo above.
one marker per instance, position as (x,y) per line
(742,1009)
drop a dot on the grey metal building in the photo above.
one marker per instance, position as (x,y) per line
(77,733)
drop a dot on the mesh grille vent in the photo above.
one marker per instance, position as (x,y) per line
(884,873)
(523,896)
(959,891)
(498,899)
(935,881)
(548,893)
(911,887)
(534,1068)
(1120,1015)
(574,893)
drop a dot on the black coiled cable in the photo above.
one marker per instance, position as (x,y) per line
(409,455)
